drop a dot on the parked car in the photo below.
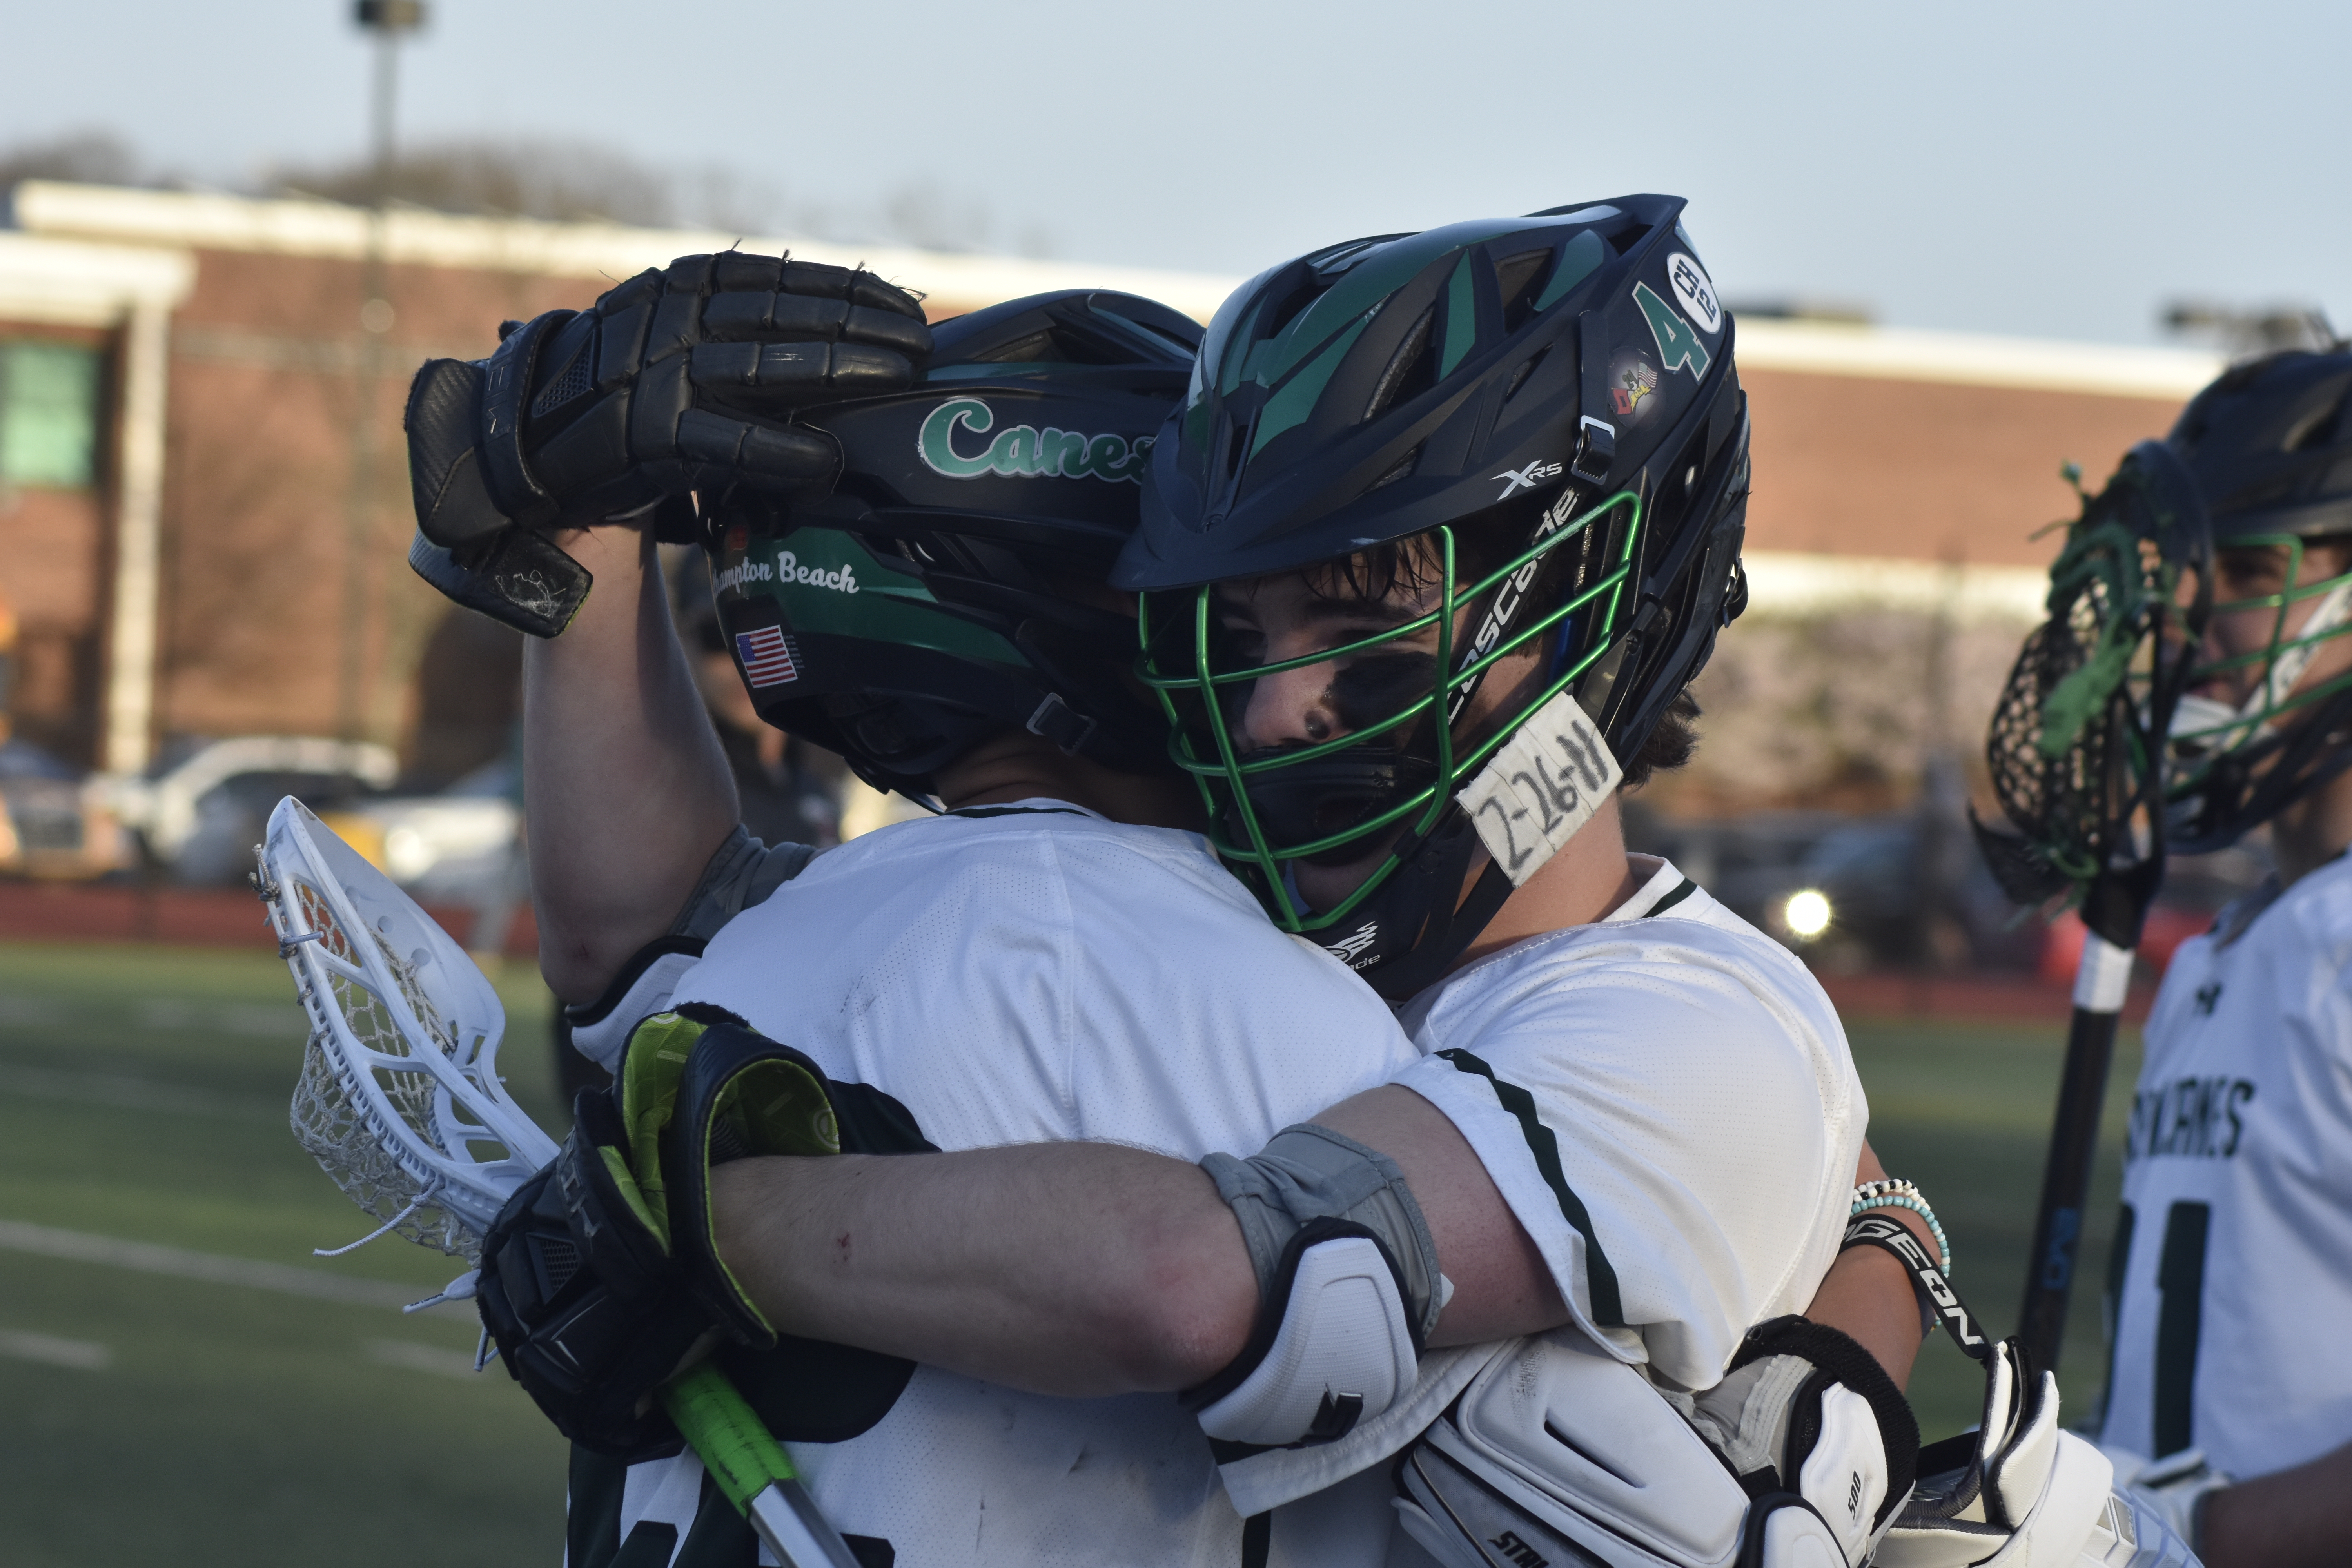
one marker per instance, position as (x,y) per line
(1908,890)
(457,847)
(202,810)
(201,814)
(54,822)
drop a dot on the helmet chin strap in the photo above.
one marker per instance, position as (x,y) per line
(1549,781)
(2196,719)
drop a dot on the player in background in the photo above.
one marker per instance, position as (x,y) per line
(2235,1240)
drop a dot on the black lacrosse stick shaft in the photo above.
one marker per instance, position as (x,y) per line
(2066,1184)
(2114,909)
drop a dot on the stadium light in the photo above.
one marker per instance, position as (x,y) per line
(1807,913)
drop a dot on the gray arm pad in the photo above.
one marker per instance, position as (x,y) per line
(742,873)
(1311,1172)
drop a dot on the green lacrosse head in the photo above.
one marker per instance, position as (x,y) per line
(2076,749)
(1372,795)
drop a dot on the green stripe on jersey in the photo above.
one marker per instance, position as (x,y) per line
(1682,890)
(1599,1275)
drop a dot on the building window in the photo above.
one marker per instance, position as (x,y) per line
(49,415)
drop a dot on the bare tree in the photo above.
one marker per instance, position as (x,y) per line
(529,178)
(93,157)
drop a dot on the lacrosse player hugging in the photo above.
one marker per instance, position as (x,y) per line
(1618,1131)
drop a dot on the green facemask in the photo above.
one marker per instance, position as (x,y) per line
(1204,688)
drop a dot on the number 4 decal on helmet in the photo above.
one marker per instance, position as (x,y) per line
(1678,346)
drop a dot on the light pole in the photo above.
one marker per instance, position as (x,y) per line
(388,20)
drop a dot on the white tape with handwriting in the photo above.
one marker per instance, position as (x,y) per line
(1546,782)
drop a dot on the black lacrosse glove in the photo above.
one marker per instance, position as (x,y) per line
(682,379)
(599,1278)
(578,1288)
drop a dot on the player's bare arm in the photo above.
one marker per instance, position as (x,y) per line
(629,791)
(1088,1269)
(2295,1519)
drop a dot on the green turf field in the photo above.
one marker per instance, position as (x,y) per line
(1964,1110)
(148,1417)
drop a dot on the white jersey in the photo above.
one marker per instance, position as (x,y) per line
(1019,974)
(1666,1101)
(2234,1252)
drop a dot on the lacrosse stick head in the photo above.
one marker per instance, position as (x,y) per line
(399,1099)
(2077,744)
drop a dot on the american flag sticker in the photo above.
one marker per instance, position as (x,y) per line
(769,657)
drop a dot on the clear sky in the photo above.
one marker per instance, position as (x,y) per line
(2057,169)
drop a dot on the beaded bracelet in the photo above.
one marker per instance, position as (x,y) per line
(1897,1194)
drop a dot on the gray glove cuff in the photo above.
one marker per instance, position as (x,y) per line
(1310,1173)
(742,872)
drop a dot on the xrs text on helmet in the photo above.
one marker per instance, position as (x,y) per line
(1539,415)
(951,585)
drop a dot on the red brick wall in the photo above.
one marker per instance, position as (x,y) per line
(264,402)
(1924,471)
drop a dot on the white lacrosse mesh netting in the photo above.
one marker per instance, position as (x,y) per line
(398,1099)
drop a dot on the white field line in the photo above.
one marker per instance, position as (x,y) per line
(212,1268)
(50,1351)
(410,1356)
(127,1093)
(262,1020)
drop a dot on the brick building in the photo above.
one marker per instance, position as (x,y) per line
(204,510)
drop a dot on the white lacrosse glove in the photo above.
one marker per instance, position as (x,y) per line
(2017,1485)
(2175,1487)
(1805,1409)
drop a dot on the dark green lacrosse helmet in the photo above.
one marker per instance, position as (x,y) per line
(951,585)
(2270,447)
(1546,409)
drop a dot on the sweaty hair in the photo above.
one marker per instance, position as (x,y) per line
(1413,566)
(1670,745)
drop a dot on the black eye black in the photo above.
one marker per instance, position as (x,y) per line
(1374,688)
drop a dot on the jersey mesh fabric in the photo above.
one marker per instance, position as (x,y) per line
(2237,1277)
(1034,974)
(1666,1101)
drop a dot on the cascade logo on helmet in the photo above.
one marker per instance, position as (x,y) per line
(1351,948)
(1024,451)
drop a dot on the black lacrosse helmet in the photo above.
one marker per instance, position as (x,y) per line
(2270,447)
(951,583)
(1551,399)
